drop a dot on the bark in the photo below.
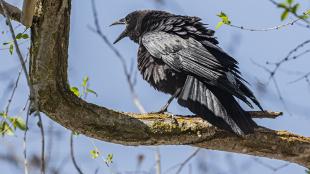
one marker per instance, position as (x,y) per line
(13,11)
(48,73)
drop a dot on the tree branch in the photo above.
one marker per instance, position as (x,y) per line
(13,12)
(48,72)
(28,12)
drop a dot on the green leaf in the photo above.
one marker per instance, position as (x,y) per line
(284,15)
(85,81)
(282,5)
(306,15)
(22,36)
(19,36)
(5,129)
(94,153)
(20,123)
(91,91)
(75,133)
(224,18)
(219,25)
(75,90)
(295,8)
(308,171)
(25,36)
(4,115)
(289,1)
(109,159)
(11,49)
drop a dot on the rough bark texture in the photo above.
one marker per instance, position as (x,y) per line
(48,71)
(14,12)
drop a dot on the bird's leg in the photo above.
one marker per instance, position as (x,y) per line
(165,107)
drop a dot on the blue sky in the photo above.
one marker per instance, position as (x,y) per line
(88,55)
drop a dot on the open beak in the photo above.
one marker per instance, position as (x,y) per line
(121,36)
(124,33)
(119,22)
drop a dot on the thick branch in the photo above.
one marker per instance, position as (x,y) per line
(28,12)
(48,70)
(13,11)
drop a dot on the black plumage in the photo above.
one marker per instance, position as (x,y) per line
(179,55)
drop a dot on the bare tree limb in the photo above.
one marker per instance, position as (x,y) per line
(187,160)
(48,72)
(121,58)
(158,161)
(28,12)
(13,12)
(76,166)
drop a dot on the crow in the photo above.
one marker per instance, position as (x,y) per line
(180,56)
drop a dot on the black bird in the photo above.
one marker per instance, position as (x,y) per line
(180,56)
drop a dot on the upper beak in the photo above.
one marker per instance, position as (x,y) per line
(119,22)
(124,33)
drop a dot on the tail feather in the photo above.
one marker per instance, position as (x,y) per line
(219,108)
(249,94)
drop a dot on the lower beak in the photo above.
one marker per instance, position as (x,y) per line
(120,37)
(124,33)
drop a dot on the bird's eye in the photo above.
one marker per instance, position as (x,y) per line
(127,20)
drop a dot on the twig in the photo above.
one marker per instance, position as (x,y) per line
(265,114)
(42,142)
(302,77)
(25,141)
(157,158)
(72,155)
(296,15)
(274,169)
(128,75)
(266,29)
(187,160)
(14,90)
(278,64)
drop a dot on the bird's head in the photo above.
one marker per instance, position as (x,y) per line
(133,22)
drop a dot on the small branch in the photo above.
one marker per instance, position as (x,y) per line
(295,14)
(28,12)
(40,123)
(302,77)
(14,90)
(73,156)
(25,141)
(187,160)
(157,158)
(12,11)
(265,114)
(274,169)
(266,29)
(127,73)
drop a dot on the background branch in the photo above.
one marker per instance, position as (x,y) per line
(13,12)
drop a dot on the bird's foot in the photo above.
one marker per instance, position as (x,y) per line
(163,111)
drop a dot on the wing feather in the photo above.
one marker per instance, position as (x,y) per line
(191,57)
